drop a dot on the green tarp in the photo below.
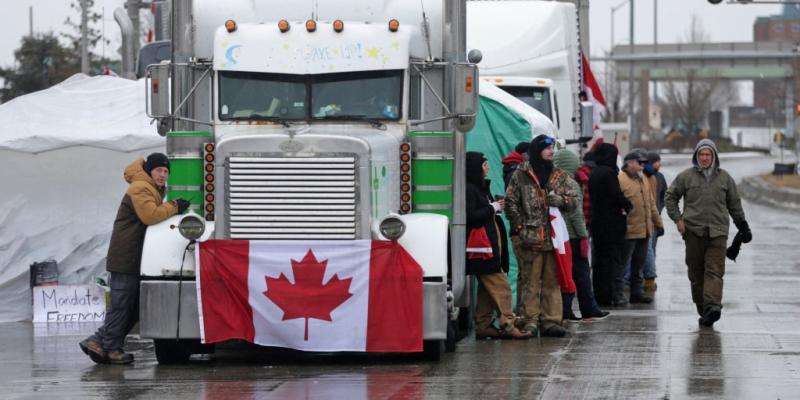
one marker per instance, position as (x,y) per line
(497,131)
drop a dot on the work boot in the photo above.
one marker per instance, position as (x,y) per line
(489,332)
(515,333)
(555,331)
(650,285)
(641,298)
(119,357)
(619,300)
(711,314)
(527,327)
(94,349)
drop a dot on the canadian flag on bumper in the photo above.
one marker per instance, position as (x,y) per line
(311,295)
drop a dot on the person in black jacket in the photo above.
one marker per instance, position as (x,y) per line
(609,224)
(488,261)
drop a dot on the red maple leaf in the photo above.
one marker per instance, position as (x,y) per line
(307,297)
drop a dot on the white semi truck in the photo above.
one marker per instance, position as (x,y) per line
(537,60)
(326,120)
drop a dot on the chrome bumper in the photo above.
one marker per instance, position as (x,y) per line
(158,310)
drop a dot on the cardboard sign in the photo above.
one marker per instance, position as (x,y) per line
(85,303)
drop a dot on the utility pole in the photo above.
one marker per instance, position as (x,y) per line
(30,21)
(631,94)
(655,44)
(84,37)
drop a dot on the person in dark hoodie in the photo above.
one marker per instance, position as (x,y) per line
(609,225)
(516,157)
(488,261)
(710,200)
(534,187)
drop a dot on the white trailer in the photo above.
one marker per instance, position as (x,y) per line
(531,49)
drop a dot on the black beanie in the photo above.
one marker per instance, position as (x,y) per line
(522,147)
(155,160)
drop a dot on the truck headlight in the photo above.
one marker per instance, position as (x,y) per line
(191,226)
(392,228)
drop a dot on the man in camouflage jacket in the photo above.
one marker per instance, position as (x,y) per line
(535,187)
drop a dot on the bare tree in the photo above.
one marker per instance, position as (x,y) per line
(690,93)
(616,102)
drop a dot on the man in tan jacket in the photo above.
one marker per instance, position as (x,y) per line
(643,218)
(142,205)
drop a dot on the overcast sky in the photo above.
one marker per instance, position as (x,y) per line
(724,22)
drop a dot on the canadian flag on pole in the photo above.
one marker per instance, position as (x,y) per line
(594,93)
(562,250)
(311,295)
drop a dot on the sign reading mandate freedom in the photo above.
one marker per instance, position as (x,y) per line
(68,304)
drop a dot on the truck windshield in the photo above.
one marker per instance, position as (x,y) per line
(250,95)
(363,95)
(536,97)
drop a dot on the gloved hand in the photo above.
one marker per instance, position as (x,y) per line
(584,248)
(554,200)
(744,231)
(182,205)
(659,231)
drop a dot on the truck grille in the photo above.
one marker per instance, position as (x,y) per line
(292,198)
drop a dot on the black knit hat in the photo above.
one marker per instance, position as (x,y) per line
(522,147)
(155,160)
(653,156)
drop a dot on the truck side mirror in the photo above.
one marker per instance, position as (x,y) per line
(465,95)
(158,91)
(587,119)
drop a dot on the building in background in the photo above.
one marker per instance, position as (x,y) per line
(769,94)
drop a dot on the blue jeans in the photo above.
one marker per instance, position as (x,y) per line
(650,261)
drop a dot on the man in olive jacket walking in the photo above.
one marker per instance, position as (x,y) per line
(709,196)
(141,206)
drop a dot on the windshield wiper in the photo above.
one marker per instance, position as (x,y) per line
(254,116)
(376,123)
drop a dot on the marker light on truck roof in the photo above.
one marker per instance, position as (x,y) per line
(230,25)
(338,25)
(311,25)
(394,25)
(283,25)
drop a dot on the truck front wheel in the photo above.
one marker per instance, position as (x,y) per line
(432,350)
(172,351)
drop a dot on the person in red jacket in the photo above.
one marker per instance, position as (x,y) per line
(516,157)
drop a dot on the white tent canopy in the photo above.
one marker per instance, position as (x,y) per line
(101,111)
(65,148)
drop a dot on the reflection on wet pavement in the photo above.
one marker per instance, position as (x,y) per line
(640,352)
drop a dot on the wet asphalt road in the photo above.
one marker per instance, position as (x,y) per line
(652,351)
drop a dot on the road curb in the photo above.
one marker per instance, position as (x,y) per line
(757,189)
